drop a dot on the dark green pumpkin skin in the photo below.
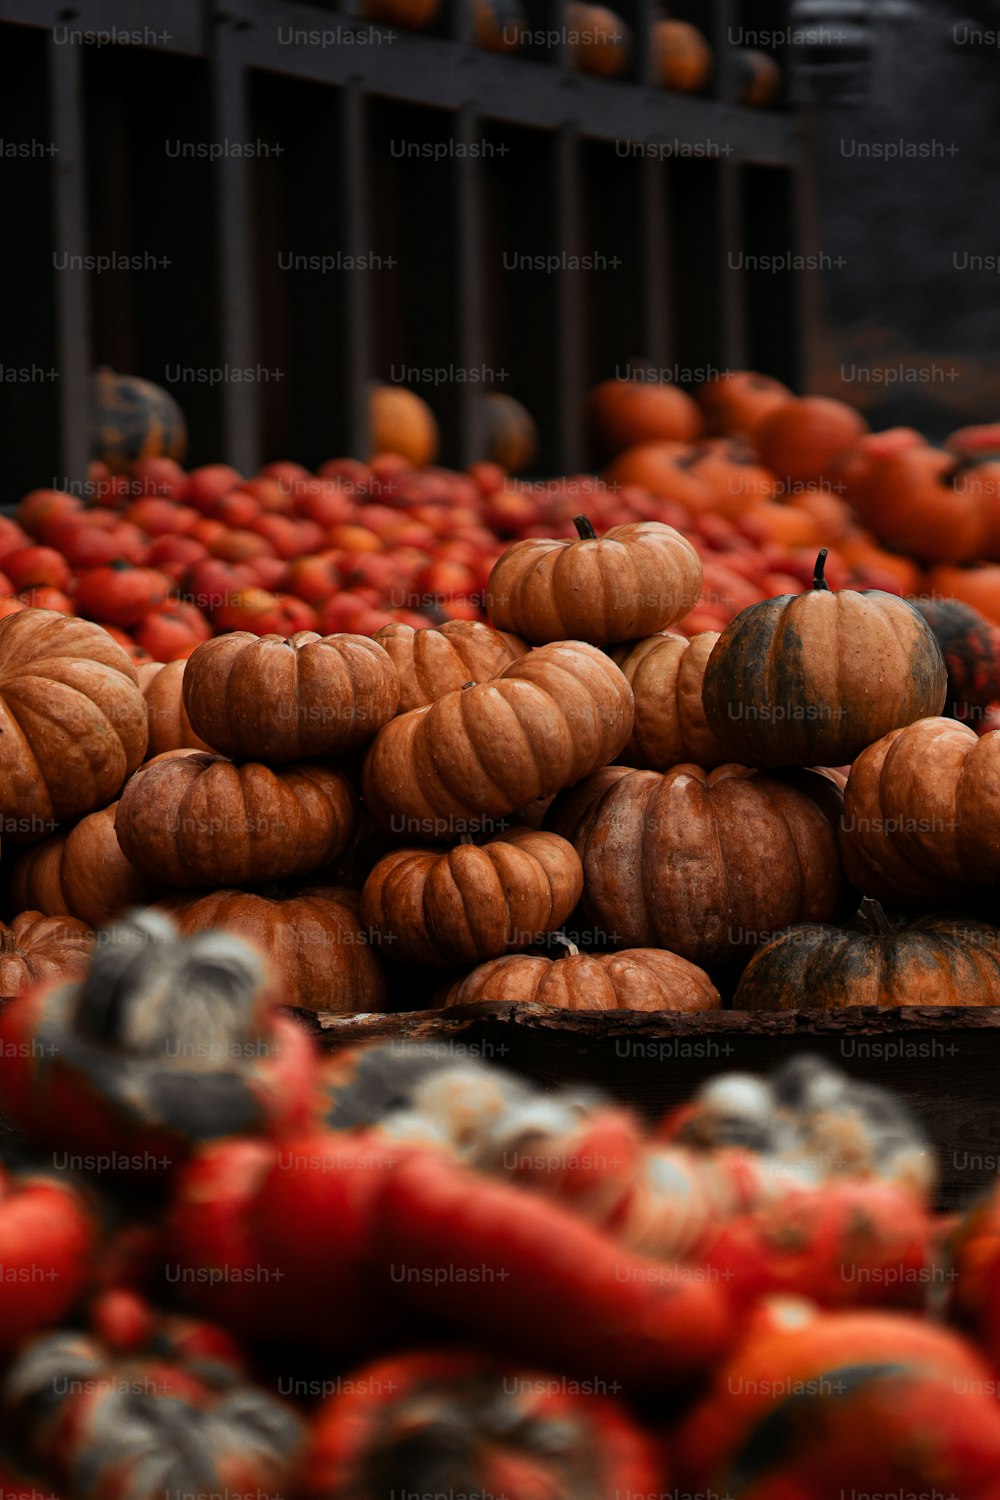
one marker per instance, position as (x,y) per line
(970,645)
(812,679)
(936,960)
(510,436)
(132,419)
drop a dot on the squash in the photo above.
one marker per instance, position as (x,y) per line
(132,419)
(737,401)
(35,948)
(598,40)
(510,437)
(400,421)
(801,439)
(624,412)
(81,874)
(432,662)
(639,979)
(665,673)
(682,58)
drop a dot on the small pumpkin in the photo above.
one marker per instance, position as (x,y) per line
(437,660)
(279,699)
(119,593)
(72,720)
(756,79)
(682,58)
(510,437)
(192,819)
(625,412)
(737,401)
(631,582)
(640,979)
(132,419)
(311,936)
(665,673)
(932,961)
(666,470)
(918,500)
(171,632)
(81,874)
(598,39)
(707,864)
(978,587)
(473,902)
(801,439)
(35,948)
(970,645)
(476,755)
(169,725)
(813,679)
(498,25)
(400,421)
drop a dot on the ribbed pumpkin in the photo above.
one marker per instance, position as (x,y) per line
(933,961)
(192,819)
(706,864)
(35,948)
(311,936)
(647,979)
(169,725)
(82,873)
(736,401)
(631,582)
(812,679)
(279,699)
(472,902)
(131,419)
(919,500)
(625,412)
(72,720)
(801,439)
(432,662)
(549,719)
(970,645)
(665,673)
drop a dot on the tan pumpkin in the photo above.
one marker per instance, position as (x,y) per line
(439,660)
(279,699)
(640,979)
(169,725)
(312,936)
(72,720)
(34,948)
(665,673)
(549,719)
(633,581)
(193,819)
(473,902)
(708,864)
(82,874)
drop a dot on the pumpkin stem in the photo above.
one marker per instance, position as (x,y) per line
(873,915)
(572,951)
(584,530)
(819,582)
(470,683)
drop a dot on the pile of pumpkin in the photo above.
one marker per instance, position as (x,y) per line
(259,1270)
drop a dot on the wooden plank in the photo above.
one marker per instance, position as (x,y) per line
(72,286)
(656,256)
(358,354)
(470,331)
(570,311)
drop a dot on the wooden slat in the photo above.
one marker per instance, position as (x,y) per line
(570,331)
(357,242)
(72,287)
(656,262)
(470,336)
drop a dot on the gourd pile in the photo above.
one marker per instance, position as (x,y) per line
(232,1264)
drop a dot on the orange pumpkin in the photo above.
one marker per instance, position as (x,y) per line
(917,501)
(734,473)
(81,874)
(510,437)
(736,402)
(757,79)
(665,470)
(35,948)
(435,661)
(666,673)
(682,58)
(599,40)
(639,979)
(400,421)
(169,725)
(978,587)
(625,412)
(800,439)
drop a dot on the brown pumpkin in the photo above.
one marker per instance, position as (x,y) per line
(510,437)
(400,421)
(633,581)
(72,720)
(737,401)
(801,439)
(756,79)
(194,819)
(625,412)
(473,902)
(311,936)
(937,960)
(279,699)
(682,58)
(813,679)
(169,725)
(439,660)
(598,39)
(644,979)
(665,673)
(81,874)
(35,948)
(706,864)
(132,419)
(923,501)
(549,719)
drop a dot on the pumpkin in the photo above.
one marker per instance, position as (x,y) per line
(172,632)
(263,613)
(631,582)
(665,673)
(32,567)
(192,819)
(82,874)
(644,979)
(756,79)
(169,725)
(624,412)
(918,501)
(50,1242)
(472,902)
(498,25)
(920,813)
(598,40)
(162,1043)
(510,437)
(932,961)
(279,699)
(973,1252)
(708,864)
(476,755)
(311,937)
(733,471)
(666,470)
(132,419)
(815,1405)
(812,679)
(434,661)
(72,720)
(400,421)
(977,587)
(970,645)
(119,593)
(736,401)
(682,58)
(35,948)
(879,568)
(801,439)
